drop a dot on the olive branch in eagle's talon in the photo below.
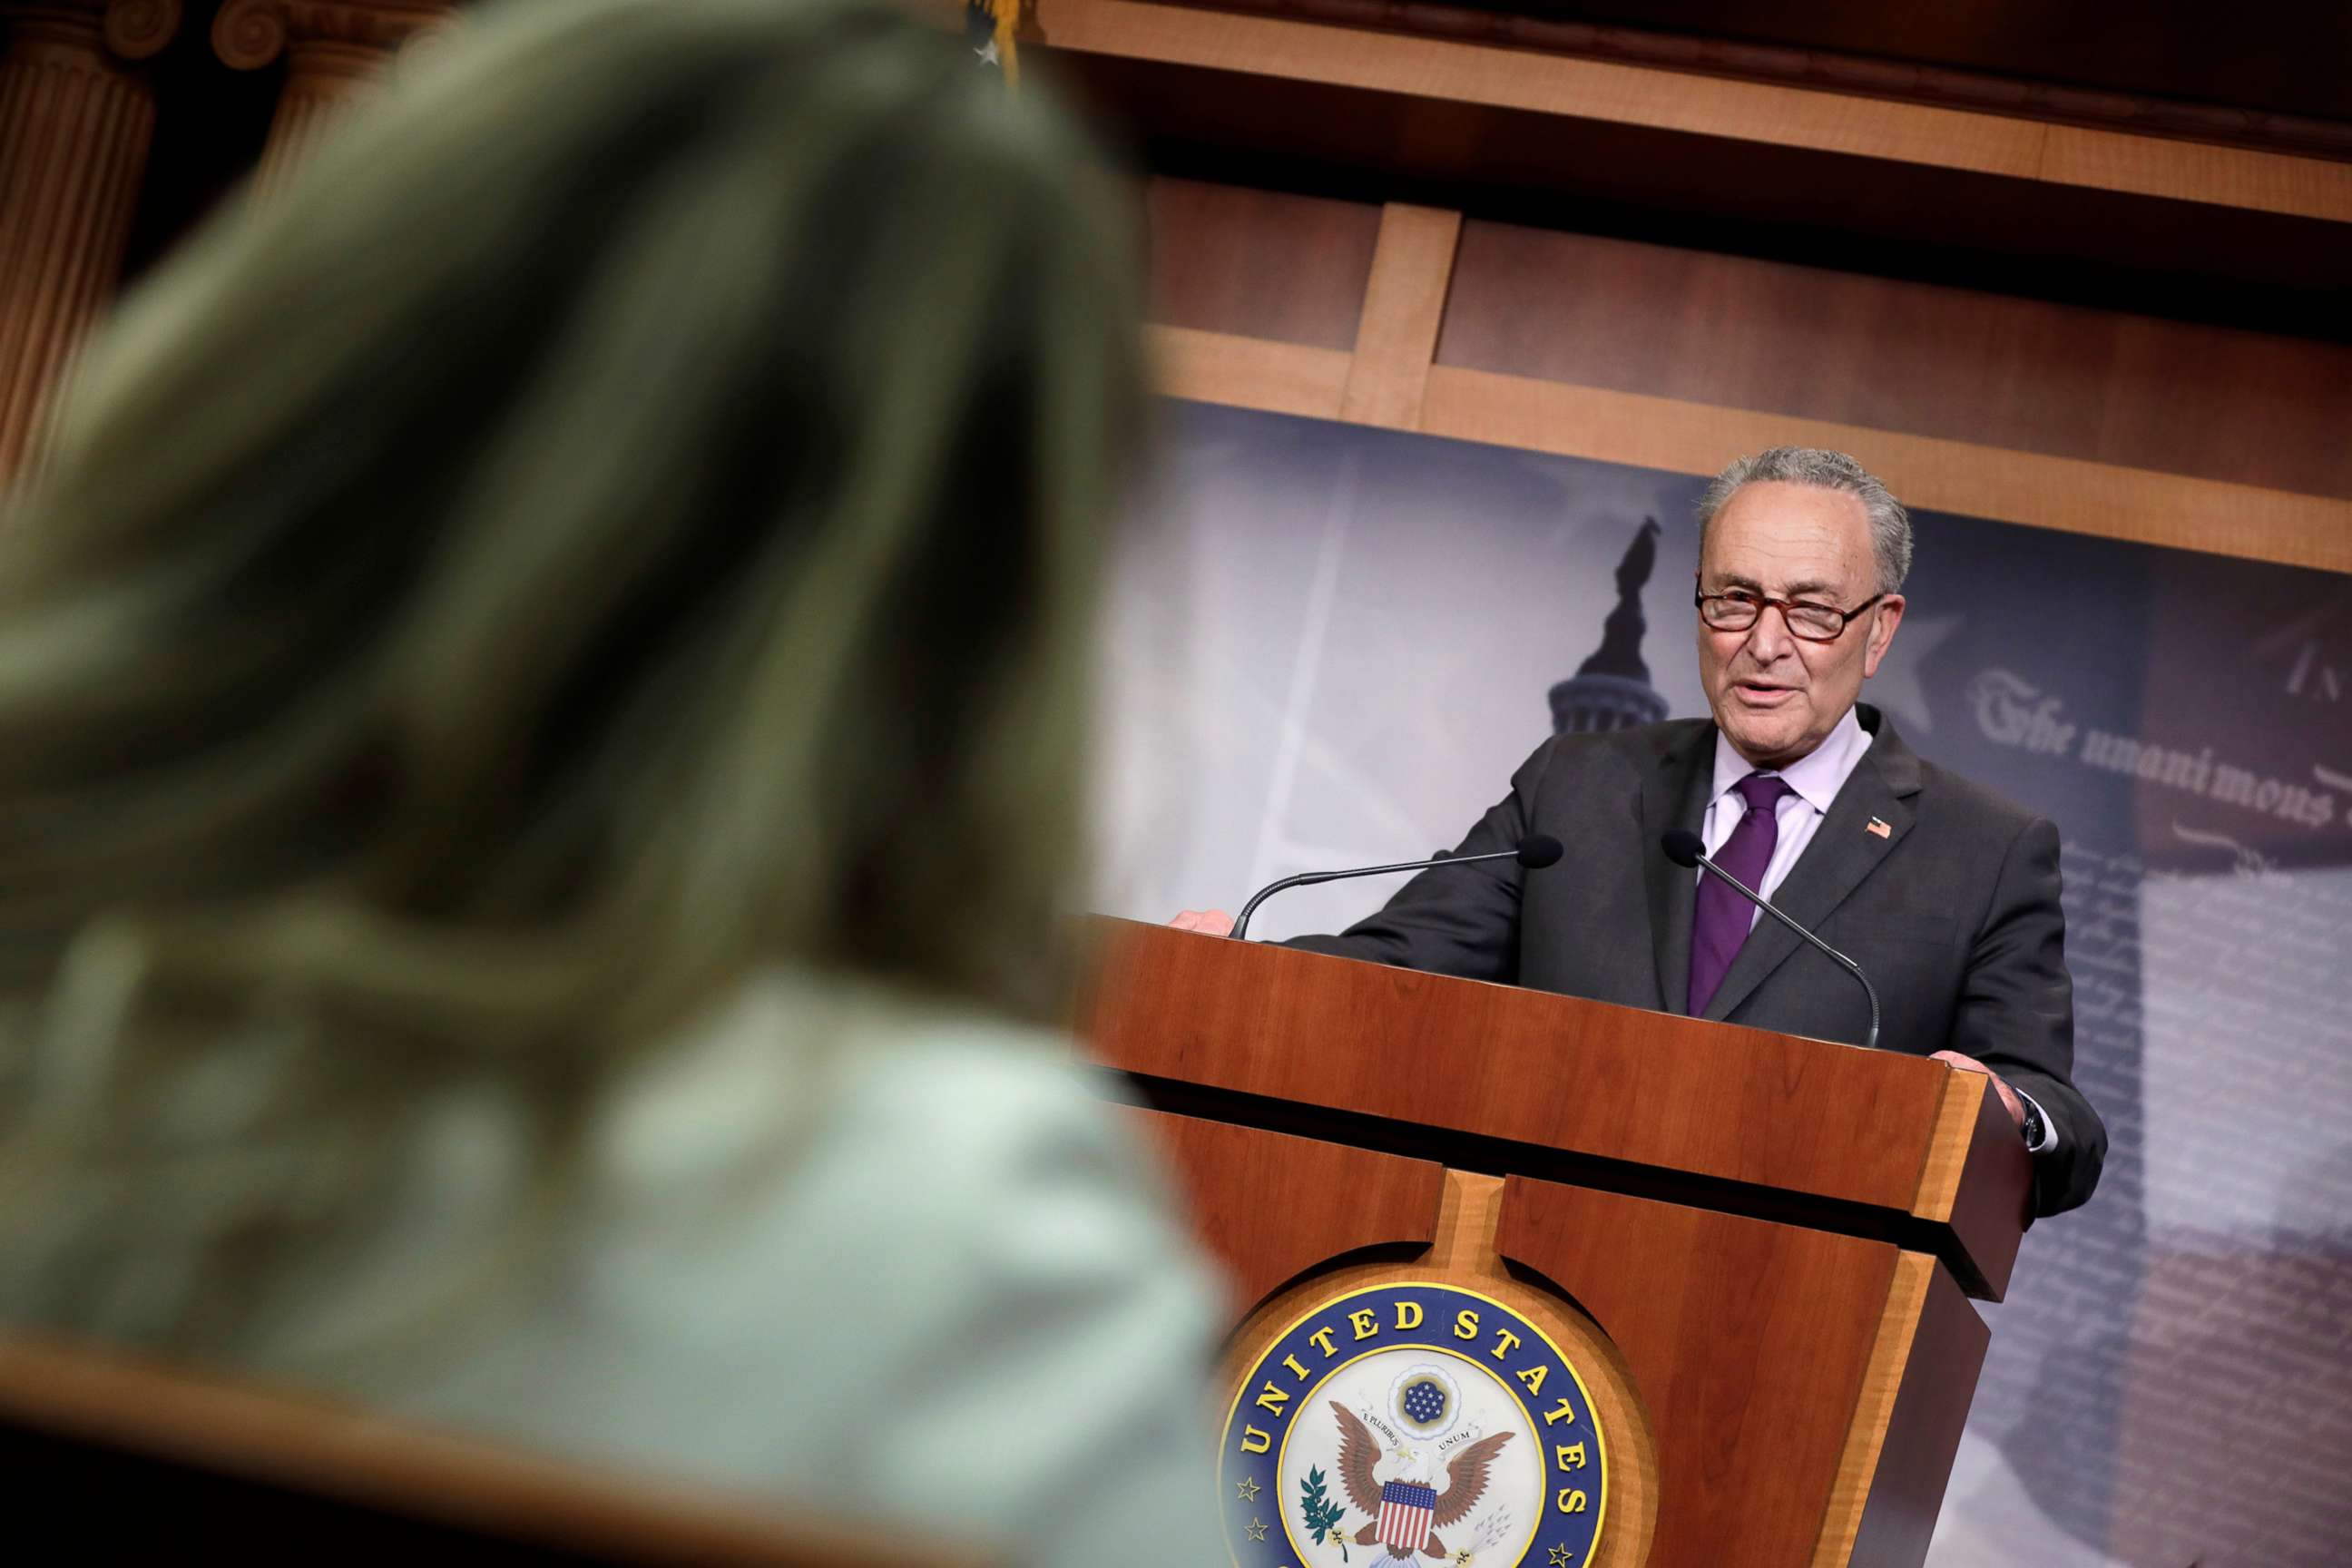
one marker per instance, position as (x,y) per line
(1322,1513)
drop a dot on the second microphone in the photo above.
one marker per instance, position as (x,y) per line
(1534,852)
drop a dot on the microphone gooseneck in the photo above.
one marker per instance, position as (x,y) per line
(1534,852)
(1685,847)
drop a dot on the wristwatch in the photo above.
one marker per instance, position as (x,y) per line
(2034,1127)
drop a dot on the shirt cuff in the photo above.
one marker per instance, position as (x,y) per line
(2049,1127)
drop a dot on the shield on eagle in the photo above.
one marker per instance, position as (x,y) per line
(1406,1510)
(1407,1514)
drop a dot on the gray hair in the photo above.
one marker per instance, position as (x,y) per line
(1890,525)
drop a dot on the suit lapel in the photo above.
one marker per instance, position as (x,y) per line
(1843,851)
(1673,794)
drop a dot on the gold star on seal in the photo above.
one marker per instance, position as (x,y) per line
(1560,1557)
(1246,1488)
(1257,1530)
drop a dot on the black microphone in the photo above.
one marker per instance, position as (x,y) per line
(1685,847)
(1535,852)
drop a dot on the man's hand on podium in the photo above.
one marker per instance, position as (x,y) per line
(1208,923)
(1971,1064)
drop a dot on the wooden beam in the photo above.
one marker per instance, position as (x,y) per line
(2197,171)
(2068,494)
(1247,372)
(2064,493)
(1555,84)
(1810,119)
(1396,337)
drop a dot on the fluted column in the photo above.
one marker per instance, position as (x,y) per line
(76,118)
(336,54)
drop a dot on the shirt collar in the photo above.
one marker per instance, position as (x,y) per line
(1816,777)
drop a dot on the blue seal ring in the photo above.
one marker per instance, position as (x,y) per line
(1264,1509)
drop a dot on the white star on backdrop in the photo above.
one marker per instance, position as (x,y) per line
(1895,688)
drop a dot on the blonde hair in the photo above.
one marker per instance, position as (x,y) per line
(627,518)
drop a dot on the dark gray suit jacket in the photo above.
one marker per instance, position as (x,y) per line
(1953,914)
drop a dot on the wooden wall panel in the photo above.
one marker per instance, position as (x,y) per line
(1477,71)
(1981,398)
(1258,264)
(2039,491)
(1993,369)
(2249,407)
(1470,123)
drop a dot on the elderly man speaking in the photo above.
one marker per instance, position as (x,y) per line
(1946,894)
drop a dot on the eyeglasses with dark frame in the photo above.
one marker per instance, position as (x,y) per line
(1737,609)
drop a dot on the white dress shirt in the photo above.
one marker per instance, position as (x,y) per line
(1813,780)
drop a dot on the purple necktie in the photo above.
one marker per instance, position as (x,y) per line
(1723,917)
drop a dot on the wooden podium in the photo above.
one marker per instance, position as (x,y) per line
(1756,1250)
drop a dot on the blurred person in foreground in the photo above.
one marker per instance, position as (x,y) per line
(540,712)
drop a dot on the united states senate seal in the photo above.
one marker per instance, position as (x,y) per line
(1412,1423)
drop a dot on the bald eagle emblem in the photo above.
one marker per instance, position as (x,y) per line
(1407,1511)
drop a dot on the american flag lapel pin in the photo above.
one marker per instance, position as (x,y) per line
(1878,825)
